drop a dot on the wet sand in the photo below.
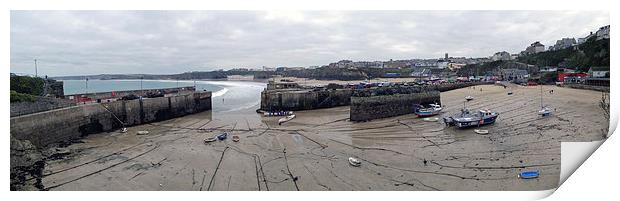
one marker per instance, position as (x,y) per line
(311,151)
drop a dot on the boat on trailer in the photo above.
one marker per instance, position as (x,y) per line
(469,119)
(422,111)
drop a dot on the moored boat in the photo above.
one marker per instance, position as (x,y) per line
(529,174)
(468,119)
(280,113)
(222,136)
(209,140)
(545,111)
(422,111)
(469,98)
(481,132)
(285,119)
(354,162)
(431,119)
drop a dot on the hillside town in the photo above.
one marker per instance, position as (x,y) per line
(568,61)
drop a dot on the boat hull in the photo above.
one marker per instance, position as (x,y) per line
(466,124)
(426,114)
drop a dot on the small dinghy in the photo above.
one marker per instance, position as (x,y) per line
(285,119)
(235,138)
(431,119)
(143,132)
(481,132)
(510,93)
(354,162)
(222,136)
(469,98)
(209,140)
(123,130)
(529,174)
(544,112)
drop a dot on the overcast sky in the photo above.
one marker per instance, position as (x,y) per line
(162,42)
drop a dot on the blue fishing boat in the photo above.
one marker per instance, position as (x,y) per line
(422,111)
(529,174)
(222,136)
(469,119)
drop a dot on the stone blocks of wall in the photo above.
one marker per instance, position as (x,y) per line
(39,105)
(588,87)
(304,100)
(66,124)
(375,107)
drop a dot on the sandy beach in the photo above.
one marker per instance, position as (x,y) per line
(311,151)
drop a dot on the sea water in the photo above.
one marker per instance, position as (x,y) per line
(227,96)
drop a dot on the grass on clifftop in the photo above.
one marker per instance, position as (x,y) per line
(19,97)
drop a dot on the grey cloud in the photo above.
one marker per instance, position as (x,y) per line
(93,42)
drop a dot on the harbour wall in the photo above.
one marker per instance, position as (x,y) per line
(306,99)
(587,87)
(120,94)
(294,100)
(70,123)
(39,105)
(367,108)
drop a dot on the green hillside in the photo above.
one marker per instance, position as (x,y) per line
(591,53)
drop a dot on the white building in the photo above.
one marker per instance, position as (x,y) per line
(503,56)
(602,33)
(563,44)
(442,64)
(534,48)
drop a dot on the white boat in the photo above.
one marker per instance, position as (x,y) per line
(209,140)
(431,119)
(281,113)
(143,132)
(285,119)
(422,111)
(481,132)
(354,162)
(468,98)
(544,111)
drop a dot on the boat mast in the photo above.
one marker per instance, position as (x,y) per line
(541,97)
